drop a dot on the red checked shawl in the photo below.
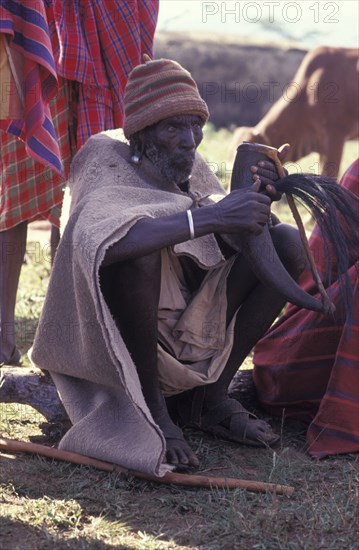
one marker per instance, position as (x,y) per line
(101,41)
(91,45)
(308,364)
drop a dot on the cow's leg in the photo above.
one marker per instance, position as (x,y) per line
(330,159)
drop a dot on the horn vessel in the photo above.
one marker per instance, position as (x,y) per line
(259,250)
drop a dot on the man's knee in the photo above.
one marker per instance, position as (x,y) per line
(289,247)
(143,269)
(139,278)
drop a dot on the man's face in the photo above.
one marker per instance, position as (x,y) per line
(171,145)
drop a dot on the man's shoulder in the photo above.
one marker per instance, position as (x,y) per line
(108,139)
(104,145)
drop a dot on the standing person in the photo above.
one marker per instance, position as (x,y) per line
(72,59)
(307,365)
(158,311)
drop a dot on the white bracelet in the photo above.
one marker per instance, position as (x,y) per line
(190,223)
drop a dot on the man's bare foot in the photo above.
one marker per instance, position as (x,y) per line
(178,452)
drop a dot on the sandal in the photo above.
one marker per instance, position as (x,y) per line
(228,420)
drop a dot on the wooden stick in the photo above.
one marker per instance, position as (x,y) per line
(170,478)
(329,307)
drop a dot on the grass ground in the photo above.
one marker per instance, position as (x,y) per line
(50,505)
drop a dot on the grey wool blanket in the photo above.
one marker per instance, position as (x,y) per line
(77,340)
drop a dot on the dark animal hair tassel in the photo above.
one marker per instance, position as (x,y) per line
(336,211)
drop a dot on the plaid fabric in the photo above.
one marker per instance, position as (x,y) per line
(29,50)
(308,364)
(28,190)
(101,41)
(95,44)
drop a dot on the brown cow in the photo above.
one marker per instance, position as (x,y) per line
(318,111)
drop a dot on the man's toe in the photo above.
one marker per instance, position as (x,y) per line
(180,453)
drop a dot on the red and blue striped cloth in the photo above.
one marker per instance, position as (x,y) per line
(25,24)
(307,365)
(93,42)
(90,46)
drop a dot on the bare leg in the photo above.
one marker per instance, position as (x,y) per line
(260,306)
(54,241)
(132,291)
(12,249)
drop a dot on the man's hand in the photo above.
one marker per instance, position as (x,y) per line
(265,173)
(243,210)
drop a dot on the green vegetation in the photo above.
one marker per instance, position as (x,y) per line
(50,505)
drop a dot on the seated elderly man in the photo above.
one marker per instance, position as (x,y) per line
(150,311)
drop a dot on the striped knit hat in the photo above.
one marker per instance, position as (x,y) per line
(160,89)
